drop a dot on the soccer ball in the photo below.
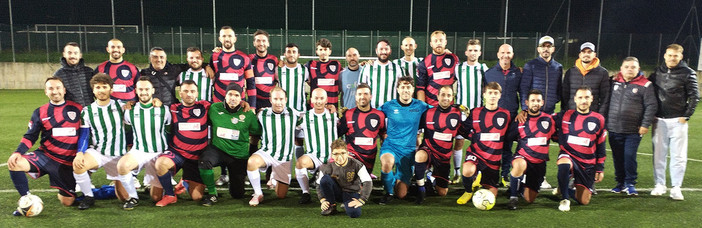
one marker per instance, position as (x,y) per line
(483,199)
(30,205)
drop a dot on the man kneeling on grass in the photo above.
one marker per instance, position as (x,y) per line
(343,179)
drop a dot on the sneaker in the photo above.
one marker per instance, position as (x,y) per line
(421,194)
(255,200)
(305,198)
(166,200)
(16,213)
(373,176)
(222,180)
(208,200)
(86,203)
(464,198)
(631,191)
(505,181)
(456,179)
(556,191)
(179,188)
(564,205)
(513,201)
(676,194)
(659,190)
(545,184)
(130,204)
(386,199)
(329,211)
(476,182)
(619,188)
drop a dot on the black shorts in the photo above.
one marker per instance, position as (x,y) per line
(535,173)
(582,176)
(60,175)
(213,157)
(368,160)
(189,167)
(490,177)
(441,167)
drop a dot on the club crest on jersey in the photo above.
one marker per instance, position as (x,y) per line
(544,124)
(197,112)
(241,117)
(591,126)
(454,122)
(447,61)
(237,62)
(71,115)
(125,73)
(235,120)
(270,66)
(374,123)
(500,121)
(332,68)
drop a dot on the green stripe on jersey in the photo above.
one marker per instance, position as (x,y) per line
(320,132)
(382,79)
(204,83)
(106,129)
(292,80)
(469,84)
(150,127)
(279,132)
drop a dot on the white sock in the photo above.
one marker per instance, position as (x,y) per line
(420,182)
(83,180)
(128,184)
(457,158)
(303,179)
(255,179)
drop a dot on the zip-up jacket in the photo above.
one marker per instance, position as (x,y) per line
(544,76)
(632,104)
(676,90)
(596,78)
(76,80)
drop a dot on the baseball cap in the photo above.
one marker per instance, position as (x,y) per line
(587,45)
(545,39)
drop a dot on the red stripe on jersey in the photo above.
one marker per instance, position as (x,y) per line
(357,124)
(52,117)
(123,73)
(325,75)
(541,126)
(434,72)
(589,127)
(236,62)
(482,123)
(444,122)
(188,142)
(265,74)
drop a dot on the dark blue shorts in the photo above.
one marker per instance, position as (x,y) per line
(60,175)
(189,167)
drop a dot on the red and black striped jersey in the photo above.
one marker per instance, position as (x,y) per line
(440,127)
(189,129)
(582,136)
(362,129)
(533,137)
(58,126)
(434,72)
(265,71)
(487,130)
(232,67)
(124,75)
(325,75)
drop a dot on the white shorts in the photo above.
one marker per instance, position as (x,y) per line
(108,163)
(317,163)
(281,171)
(147,162)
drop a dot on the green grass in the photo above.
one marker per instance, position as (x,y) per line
(606,209)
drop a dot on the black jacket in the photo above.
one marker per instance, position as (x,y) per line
(165,81)
(676,90)
(632,105)
(597,79)
(76,79)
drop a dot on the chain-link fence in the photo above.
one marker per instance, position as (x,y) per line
(45,42)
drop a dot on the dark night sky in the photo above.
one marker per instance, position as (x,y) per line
(642,16)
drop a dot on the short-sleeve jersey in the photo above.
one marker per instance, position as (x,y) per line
(402,124)
(582,136)
(106,128)
(204,83)
(488,129)
(279,132)
(469,84)
(149,127)
(229,67)
(533,137)
(320,131)
(231,131)
(382,79)
(361,130)
(265,77)
(325,75)
(292,80)
(440,127)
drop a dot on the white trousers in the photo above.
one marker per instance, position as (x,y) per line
(669,135)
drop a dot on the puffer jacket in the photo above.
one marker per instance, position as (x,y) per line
(509,81)
(676,89)
(632,104)
(544,76)
(597,79)
(76,80)
(165,81)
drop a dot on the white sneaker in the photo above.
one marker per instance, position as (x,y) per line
(676,194)
(659,190)
(255,200)
(564,205)
(222,180)
(545,184)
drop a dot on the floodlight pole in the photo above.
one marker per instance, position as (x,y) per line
(426,47)
(114,28)
(599,27)
(12,31)
(214,24)
(143,29)
(410,21)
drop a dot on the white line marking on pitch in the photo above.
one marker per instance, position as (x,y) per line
(647,154)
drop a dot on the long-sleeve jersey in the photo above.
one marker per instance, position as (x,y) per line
(487,130)
(440,127)
(232,67)
(533,137)
(58,126)
(582,136)
(325,75)
(189,129)
(265,77)
(434,72)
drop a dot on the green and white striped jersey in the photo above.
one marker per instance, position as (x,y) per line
(279,132)
(382,79)
(106,129)
(408,67)
(204,83)
(149,126)
(292,80)
(320,132)
(470,84)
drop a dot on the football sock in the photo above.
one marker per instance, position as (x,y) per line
(303,179)
(128,183)
(457,160)
(166,184)
(255,179)
(514,185)
(419,169)
(388,182)
(563,177)
(468,183)
(83,180)
(19,178)
(207,176)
